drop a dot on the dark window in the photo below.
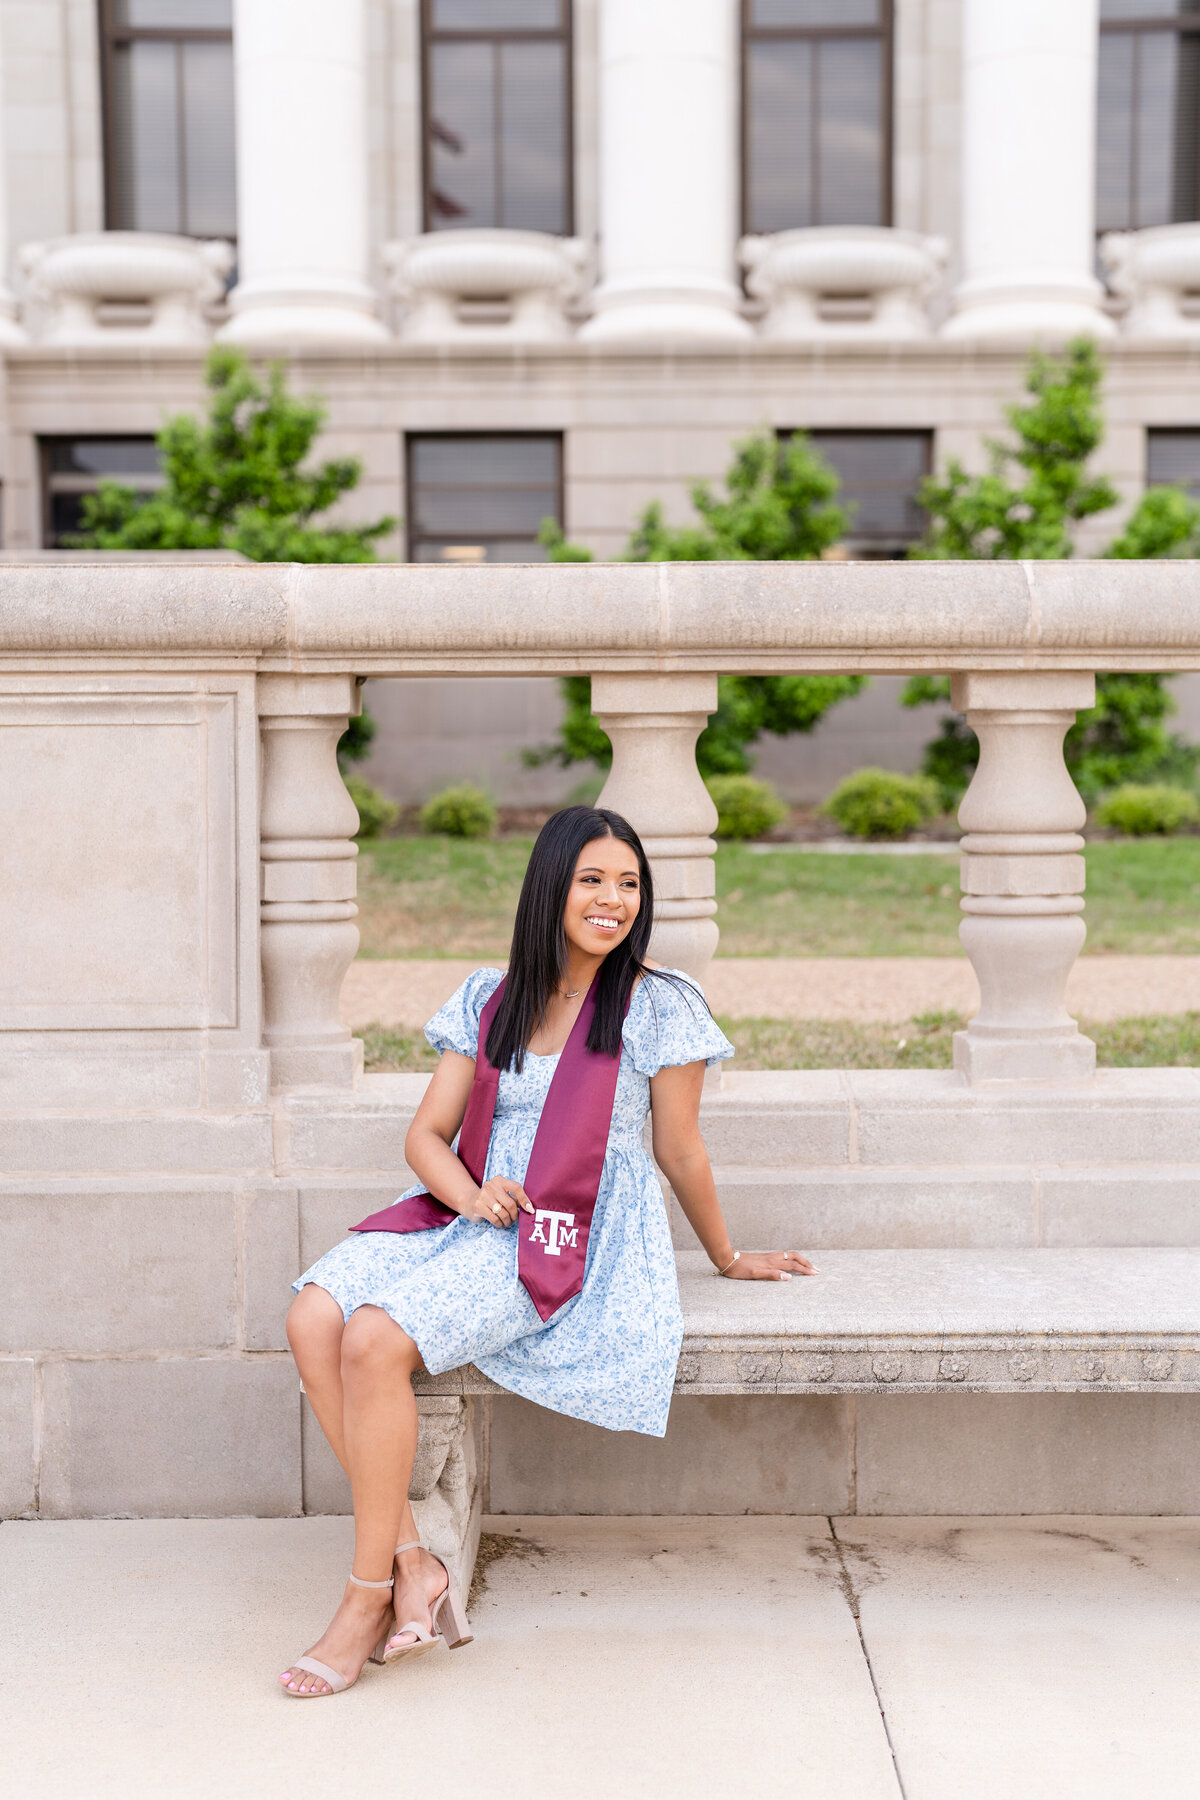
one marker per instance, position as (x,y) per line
(881,473)
(482,498)
(497,114)
(1173,459)
(1148,148)
(168,108)
(816,111)
(73,467)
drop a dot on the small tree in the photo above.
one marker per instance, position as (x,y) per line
(234,481)
(779,505)
(1029,514)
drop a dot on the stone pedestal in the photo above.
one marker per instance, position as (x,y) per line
(73,282)
(806,275)
(653,722)
(308,821)
(668,163)
(301,92)
(1022,877)
(1029,131)
(528,276)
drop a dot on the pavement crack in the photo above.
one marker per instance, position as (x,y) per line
(846,1583)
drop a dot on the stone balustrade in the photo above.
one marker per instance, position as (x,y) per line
(1021,642)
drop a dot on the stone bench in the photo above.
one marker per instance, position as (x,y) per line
(884,1321)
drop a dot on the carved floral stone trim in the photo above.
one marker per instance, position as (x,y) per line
(916,1365)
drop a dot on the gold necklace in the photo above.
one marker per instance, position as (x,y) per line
(569,993)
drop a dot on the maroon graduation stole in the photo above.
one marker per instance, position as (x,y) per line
(565,1164)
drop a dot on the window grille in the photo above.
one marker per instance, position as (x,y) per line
(1173,458)
(1147,106)
(168,116)
(482,497)
(73,467)
(881,474)
(497,114)
(816,113)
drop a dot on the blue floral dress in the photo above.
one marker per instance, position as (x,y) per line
(609,1354)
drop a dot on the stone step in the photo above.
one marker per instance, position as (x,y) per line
(860,1207)
(938,1321)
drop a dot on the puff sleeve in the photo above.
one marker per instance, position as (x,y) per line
(669,1023)
(456,1025)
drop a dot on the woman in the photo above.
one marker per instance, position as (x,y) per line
(545,1079)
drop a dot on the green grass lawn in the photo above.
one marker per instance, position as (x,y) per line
(446,897)
(924,1043)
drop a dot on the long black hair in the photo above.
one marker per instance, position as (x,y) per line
(538,959)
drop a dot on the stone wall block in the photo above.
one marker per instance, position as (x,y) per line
(327,1213)
(860,1209)
(270,1228)
(653,722)
(118,1272)
(784,1454)
(1137,1207)
(18,1484)
(1028,1453)
(197,1437)
(205,1144)
(778,1122)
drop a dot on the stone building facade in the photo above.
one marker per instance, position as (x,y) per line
(550,257)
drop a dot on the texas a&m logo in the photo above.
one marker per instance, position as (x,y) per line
(564,1232)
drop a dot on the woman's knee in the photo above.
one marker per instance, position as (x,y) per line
(372,1341)
(314,1320)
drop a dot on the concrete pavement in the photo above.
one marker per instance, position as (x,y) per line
(1029,1659)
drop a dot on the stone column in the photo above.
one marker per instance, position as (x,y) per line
(1029,172)
(300,73)
(653,722)
(668,172)
(307,826)
(1022,877)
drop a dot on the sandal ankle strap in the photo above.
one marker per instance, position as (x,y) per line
(415,1545)
(372,1584)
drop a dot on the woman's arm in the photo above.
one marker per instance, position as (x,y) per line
(680,1154)
(428,1154)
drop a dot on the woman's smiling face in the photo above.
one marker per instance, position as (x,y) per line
(604,897)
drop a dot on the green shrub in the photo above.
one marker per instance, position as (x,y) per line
(878,803)
(376,813)
(1139,811)
(462,811)
(746,807)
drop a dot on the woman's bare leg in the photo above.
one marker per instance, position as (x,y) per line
(379,1441)
(314,1327)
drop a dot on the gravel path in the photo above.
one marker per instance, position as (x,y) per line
(862,989)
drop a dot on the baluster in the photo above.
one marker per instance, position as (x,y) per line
(307,826)
(653,722)
(1022,877)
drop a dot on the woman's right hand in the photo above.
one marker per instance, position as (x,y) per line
(498,1201)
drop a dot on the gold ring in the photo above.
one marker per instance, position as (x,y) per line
(496,1208)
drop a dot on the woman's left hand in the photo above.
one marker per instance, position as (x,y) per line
(769,1265)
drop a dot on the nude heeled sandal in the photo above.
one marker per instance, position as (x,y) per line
(455,1630)
(336,1680)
